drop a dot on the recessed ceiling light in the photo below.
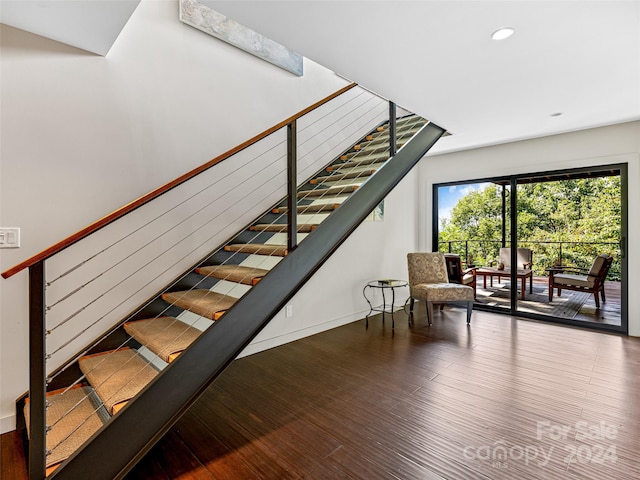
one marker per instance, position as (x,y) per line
(502,33)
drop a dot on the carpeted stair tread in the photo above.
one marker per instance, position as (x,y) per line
(380,151)
(320,207)
(74,416)
(167,337)
(380,146)
(202,302)
(341,176)
(234,273)
(282,227)
(258,249)
(409,121)
(117,376)
(321,192)
(405,129)
(384,142)
(403,123)
(358,163)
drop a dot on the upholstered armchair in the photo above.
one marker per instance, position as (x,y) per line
(524,259)
(429,281)
(457,274)
(572,278)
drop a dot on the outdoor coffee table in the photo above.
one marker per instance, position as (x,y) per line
(494,272)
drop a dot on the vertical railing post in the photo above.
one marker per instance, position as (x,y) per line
(392,129)
(292,186)
(513,242)
(466,252)
(37,373)
(560,254)
(504,217)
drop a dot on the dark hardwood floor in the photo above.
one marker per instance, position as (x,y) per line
(501,399)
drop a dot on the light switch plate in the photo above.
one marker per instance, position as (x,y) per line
(9,237)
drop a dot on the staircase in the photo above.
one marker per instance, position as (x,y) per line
(106,379)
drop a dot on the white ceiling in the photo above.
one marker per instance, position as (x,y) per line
(436,58)
(92,25)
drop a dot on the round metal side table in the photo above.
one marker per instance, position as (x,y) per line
(384,286)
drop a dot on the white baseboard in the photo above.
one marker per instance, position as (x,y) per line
(7,424)
(268,343)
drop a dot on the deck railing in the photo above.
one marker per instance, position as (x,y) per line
(545,253)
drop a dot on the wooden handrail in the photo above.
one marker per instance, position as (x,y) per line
(122,211)
(130,434)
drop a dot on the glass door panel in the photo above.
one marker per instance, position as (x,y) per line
(474,223)
(567,224)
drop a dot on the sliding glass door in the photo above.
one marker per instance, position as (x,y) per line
(566,263)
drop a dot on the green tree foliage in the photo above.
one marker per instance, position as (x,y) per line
(570,221)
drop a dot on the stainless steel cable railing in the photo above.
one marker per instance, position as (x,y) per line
(221,343)
(121,271)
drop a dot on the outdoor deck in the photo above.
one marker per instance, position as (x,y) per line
(571,305)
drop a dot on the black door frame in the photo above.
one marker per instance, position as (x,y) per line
(513,181)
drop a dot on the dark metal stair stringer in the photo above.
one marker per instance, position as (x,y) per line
(120,444)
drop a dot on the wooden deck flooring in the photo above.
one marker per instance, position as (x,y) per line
(502,399)
(610,312)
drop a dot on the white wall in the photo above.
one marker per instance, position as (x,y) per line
(82,135)
(333,296)
(598,146)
